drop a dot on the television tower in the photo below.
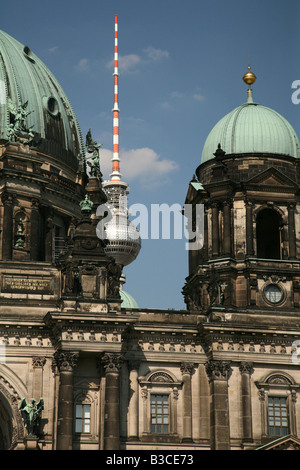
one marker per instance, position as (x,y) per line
(124,241)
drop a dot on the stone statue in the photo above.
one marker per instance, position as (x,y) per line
(31,413)
(20,235)
(93,148)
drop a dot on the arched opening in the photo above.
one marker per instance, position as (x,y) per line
(268,223)
(6,427)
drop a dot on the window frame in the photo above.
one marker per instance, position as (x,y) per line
(83,419)
(159,382)
(275,415)
(155,416)
(277,384)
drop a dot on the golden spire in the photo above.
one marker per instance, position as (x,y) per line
(249,78)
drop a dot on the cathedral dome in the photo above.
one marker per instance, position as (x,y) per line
(252,128)
(26,83)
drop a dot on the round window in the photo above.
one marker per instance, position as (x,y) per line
(273,293)
(51,105)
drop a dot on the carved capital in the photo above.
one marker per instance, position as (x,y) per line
(66,361)
(112,362)
(35,203)
(7,198)
(291,205)
(38,361)
(187,368)
(246,368)
(217,370)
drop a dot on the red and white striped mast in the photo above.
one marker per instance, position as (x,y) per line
(116,175)
(116,189)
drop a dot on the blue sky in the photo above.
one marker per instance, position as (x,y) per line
(181,68)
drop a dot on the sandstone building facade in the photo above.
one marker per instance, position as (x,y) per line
(222,374)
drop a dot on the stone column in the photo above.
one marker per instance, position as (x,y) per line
(218,372)
(291,230)
(49,238)
(65,361)
(215,229)
(227,228)
(263,413)
(187,370)
(34,230)
(38,366)
(204,404)
(205,242)
(133,409)
(112,363)
(7,229)
(249,229)
(246,370)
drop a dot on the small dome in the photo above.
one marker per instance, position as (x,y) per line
(127,300)
(26,81)
(252,128)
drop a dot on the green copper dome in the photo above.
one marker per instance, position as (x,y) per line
(252,128)
(127,300)
(28,89)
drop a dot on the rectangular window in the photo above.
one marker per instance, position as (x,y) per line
(159,409)
(277,416)
(83,419)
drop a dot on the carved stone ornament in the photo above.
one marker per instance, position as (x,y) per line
(161,377)
(112,362)
(66,360)
(187,368)
(217,370)
(246,368)
(38,361)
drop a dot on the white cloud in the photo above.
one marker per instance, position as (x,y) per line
(129,62)
(178,97)
(198,97)
(142,164)
(156,54)
(83,65)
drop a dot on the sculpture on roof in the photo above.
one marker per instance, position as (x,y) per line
(93,147)
(17,129)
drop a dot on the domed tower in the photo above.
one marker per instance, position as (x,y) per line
(42,174)
(41,157)
(124,241)
(248,185)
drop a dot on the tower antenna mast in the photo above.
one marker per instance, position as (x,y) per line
(116,175)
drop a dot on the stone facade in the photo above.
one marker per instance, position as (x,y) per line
(222,374)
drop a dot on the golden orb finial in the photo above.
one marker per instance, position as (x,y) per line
(249,77)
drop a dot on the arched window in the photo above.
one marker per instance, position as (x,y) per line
(268,237)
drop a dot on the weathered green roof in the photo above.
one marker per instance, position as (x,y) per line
(25,78)
(252,128)
(127,300)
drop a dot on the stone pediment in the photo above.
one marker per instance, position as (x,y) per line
(283,443)
(272,177)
